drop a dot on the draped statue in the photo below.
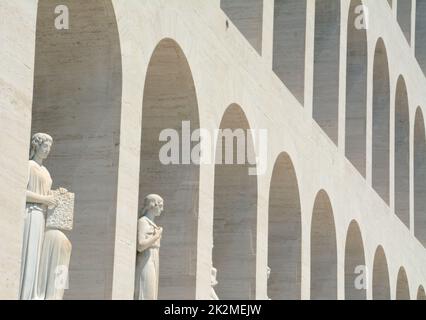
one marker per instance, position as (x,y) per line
(45,252)
(148,246)
(268,275)
(213,275)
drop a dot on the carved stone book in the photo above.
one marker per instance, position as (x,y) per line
(61,217)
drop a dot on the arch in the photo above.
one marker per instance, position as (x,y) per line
(355,283)
(381,118)
(247,15)
(323,250)
(402,153)
(356,92)
(78,102)
(419,177)
(326,66)
(403,10)
(169,101)
(289,45)
(381,286)
(420,43)
(235,213)
(402,287)
(284,232)
(421,295)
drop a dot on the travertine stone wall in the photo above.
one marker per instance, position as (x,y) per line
(17,38)
(92,93)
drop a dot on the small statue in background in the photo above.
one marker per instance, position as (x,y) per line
(213,295)
(268,275)
(148,247)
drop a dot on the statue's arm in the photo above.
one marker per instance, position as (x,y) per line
(33,197)
(145,240)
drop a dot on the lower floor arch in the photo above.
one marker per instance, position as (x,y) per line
(284,232)
(235,217)
(421,295)
(402,287)
(323,250)
(355,273)
(381,287)
(169,100)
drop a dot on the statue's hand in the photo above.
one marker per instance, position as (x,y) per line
(50,201)
(159,232)
(62,190)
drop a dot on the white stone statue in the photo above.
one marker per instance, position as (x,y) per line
(37,266)
(213,295)
(38,199)
(148,246)
(268,275)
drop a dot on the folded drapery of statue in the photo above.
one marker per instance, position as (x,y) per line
(61,217)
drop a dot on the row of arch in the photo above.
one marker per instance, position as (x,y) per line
(405,16)
(284,248)
(78,100)
(235,209)
(289,64)
(403,145)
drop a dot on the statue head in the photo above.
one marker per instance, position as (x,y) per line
(153,203)
(40,146)
(214,277)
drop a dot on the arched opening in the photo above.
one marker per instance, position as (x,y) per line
(402,287)
(247,15)
(421,295)
(289,45)
(170,102)
(381,119)
(284,232)
(235,210)
(403,8)
(381,286)
(356,91)
(323,250)
(419,177)
(402,153)
(326,66)
(77,100)
(420,42)
(355,270)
